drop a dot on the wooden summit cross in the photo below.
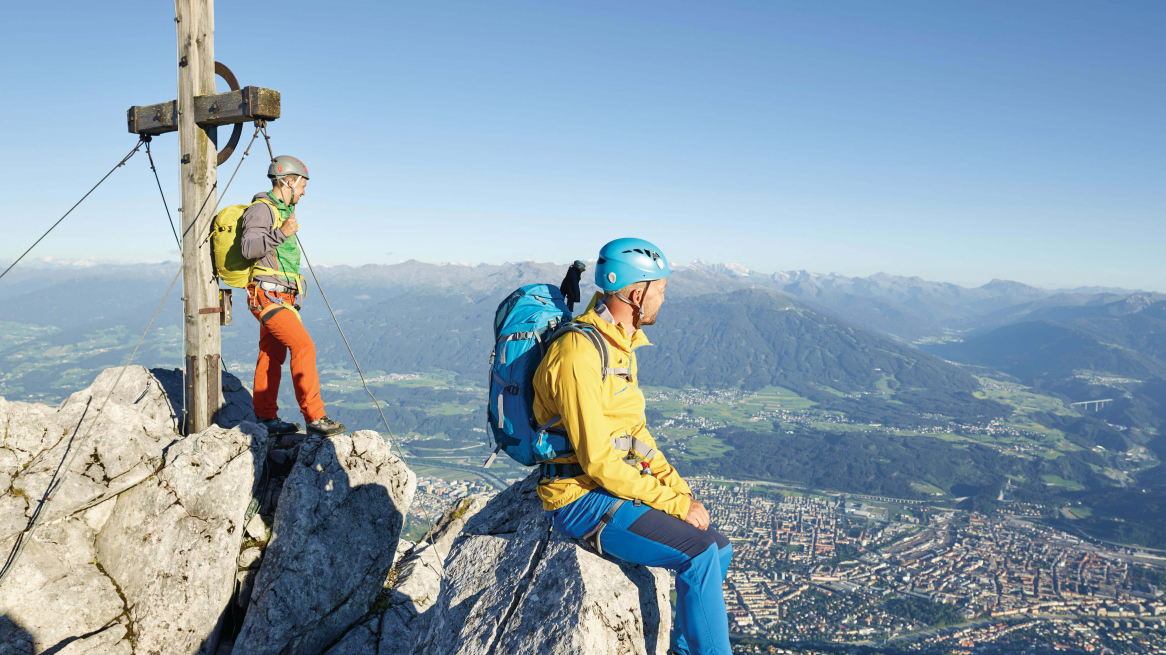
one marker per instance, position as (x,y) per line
(196,115)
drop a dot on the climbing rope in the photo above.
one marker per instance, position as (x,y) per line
(119,165)
(71,453)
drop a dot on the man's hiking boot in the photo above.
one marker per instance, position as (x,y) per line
(325,427)
(275,426)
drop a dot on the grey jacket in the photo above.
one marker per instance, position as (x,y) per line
(260,238)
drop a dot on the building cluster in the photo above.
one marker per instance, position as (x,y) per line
(689,422)
(804,417)
(836,570)
(435,495)
(1055,633)
(697,397)
(392,377)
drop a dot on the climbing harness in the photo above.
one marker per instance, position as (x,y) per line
(639,456)
(592,538)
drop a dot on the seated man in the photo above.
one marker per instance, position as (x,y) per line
(617,491)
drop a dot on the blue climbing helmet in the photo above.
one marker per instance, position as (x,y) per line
(627,261)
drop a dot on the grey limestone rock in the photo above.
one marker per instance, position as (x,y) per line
(137,551)
(114,450)
(451,524)
(172,542)
(59,597)
(418,580)
(513,585)
(335,535)
(360,640)
(250,558)
(236,408)
(26,430)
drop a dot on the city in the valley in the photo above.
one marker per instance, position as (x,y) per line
(823,572)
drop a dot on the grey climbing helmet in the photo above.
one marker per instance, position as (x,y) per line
(286,165)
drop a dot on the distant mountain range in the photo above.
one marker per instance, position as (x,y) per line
(887,351)
(1123,337)
(397,310)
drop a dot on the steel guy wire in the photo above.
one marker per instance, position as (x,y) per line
(165,205)
(392,437)
(216,185)
(71,454)
(119,164)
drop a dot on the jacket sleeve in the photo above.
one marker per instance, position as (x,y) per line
(663,471)
(260,238)
(577,386)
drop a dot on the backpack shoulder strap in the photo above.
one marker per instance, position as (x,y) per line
(276,221)
(600,343)
(256,269)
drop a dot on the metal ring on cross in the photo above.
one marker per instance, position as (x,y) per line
(222,71)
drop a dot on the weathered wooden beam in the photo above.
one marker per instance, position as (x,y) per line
(199,175)
(247,104)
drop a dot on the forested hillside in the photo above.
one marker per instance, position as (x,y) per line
(754,338)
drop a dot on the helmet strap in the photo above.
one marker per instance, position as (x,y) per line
(638,317)
(290,187)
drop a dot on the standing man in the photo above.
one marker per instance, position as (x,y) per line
(617,491)
(274,296)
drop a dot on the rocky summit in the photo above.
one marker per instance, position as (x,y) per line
(231,541)
(514,585)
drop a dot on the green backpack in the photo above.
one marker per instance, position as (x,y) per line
(227,247)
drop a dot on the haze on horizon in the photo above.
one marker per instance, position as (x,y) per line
(956,143)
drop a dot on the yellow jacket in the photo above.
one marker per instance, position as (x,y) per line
(569,383)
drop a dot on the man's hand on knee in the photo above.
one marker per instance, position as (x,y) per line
(697,516)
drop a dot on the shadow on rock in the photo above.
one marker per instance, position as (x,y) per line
(514,585)
(333,542)
(139,547)
(15,639)
(236,408)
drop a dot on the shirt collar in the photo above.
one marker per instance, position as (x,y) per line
(617,334)
(279,203)
(603,312)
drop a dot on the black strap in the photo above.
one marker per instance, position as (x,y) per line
(264,318)
(592,538)
(553,471)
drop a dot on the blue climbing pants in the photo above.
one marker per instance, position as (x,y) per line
(647,536)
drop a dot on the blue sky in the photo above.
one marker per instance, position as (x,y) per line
(956,141)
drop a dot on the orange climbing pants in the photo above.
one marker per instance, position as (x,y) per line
(281,329)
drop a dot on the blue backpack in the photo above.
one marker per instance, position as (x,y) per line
(526,323)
